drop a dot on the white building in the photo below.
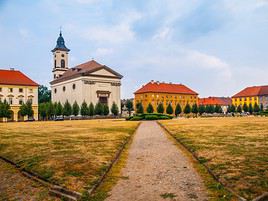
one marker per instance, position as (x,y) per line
(90,81)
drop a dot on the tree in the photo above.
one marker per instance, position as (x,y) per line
(44,95)
(129,105)
(208,109)
(239,109)
(58,109)
(160,108)
(50,110)
(75,109)
(229,109)
(150,108)
(106,109)
(233,108)
(114,109)
(195,109)
(169,109)
(26,109)
(245,107)
(187,109)
(91,110)
(67,109)
(139,108)
(218,109)
(178,110)
(201,109)
(84,109)
(5,109)
(99,109)
(256,108)
(250,108)
(42,110)
(261,108)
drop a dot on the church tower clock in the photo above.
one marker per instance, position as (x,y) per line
(60,58)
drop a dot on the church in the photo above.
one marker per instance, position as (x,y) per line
(91,81)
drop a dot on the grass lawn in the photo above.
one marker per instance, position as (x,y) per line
(235,149)
(73,154)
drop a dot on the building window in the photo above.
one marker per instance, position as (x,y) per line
(10,101)
(20,101)
(20,90)
(64,88)
(62,55)
(62,63)
(73,86)
(31,90)
(55,90)
(10,90)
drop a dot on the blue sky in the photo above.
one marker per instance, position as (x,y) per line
(214,47)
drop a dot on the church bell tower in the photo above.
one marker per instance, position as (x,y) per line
(60,58)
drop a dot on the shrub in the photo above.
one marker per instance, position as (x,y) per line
(151,117)
(99,109)
(114,109)
(136,118)
(169,109)
(178,109)
(160,108)
(139,108)
(67,109)
(91,109)
(106,109)
(75,109)
(84,109)
(187,109)
(150,108)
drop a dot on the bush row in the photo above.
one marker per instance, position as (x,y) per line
(149,116)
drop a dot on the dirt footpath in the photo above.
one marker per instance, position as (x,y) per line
(157,170)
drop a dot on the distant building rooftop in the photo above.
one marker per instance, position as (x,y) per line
(15,77)
(252,91)
(222,101)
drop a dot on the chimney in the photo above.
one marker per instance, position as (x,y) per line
(157,82)
(12,69)
(152,81)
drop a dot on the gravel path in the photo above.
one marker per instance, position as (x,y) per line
(157,170)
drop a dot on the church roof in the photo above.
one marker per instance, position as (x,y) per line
(60,44)
(15,77)
(85,69)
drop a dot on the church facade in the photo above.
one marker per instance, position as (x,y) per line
(91,81)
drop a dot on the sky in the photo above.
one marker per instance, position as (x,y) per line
(216,48)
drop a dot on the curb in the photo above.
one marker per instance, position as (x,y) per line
(204,165)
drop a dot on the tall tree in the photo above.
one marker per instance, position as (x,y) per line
(139,108)
(44,94)
(150,108)
(239,109)
(99,109)
(160,108)
(106,109)
(75,109)
(195,109)
(169,109)
(178,110)
(84,109)
(42,110)
(187,109)
(250,108)
(218,109)
(233,108)
(58,109)
(91,110)
(256,108)
(129,105)
(261,108)
(114,109)
(5,110)
(67,109)
(245,107)
(50,110)
(201,109)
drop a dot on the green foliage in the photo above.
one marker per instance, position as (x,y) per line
(5,109)
(50,109)
(84,109)
(151,117)
(129,105)
(44,95)
(245,107)
(139,108)
(26,109)
(195,109)
(187,109)
(160,108)
(250,108)
(136,118)
(115,110)
(91,110)
(75,109)
(201,109)
(42,110)
(99,109)
(58,109)
(169,109)
(67,109)
(239,109)
(261,108)
(106,110)
(178,110)
(232,108)
(256,108)
(218,109)
(150,108)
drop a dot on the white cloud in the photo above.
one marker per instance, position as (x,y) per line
(164,33)
(103,51)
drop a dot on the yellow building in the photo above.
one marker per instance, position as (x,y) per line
(16,88)
(165,93)
(252,95)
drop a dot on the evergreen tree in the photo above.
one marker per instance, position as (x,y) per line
(91,110)
(50,109)
(201,109)
(218,109)
(207,109)
(106,109)
(187,109)
(129,105)
(229,109)
(256,108)
(42,110)
(211,109)
(261,108)
(58,109)
(169,109)
(84,109)
(139,108)
(250,108)
(178,110)
(239,109)
(67,109)
(99,109)
(245,107)
(195,109)
(233,108)
(114,109)
(150,108)
(160,108)
(75,109)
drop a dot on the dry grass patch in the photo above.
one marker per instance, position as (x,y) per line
(235,149)
(73,154)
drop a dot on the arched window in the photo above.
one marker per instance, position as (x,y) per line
(62,63)
(55,63)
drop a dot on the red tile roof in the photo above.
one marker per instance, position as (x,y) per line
(223,101)
(158,87)
(15,77)
(252,91)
